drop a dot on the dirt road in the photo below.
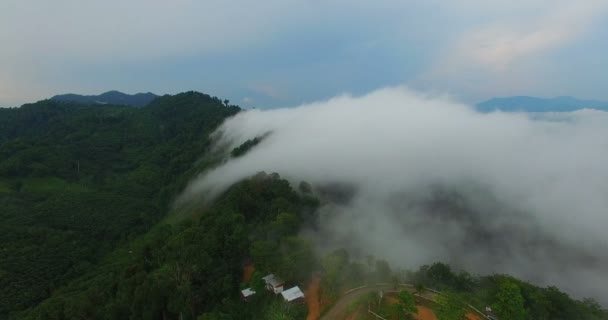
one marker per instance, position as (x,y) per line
(312,299)
(338,311)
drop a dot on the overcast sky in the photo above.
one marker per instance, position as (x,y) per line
(274,53)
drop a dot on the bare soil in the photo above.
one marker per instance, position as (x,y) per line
(472,316)
(424,313)
(312,299)
(248,272)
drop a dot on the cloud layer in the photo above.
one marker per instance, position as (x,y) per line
(434,180)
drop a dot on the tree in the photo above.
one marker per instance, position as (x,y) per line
(440,276)
(449,307)
(286,224)
(297,259)
(407,303)
(509,302)
(333,266)
(264,254)
(257,283)
(419,287)
(383,270)
(305,187)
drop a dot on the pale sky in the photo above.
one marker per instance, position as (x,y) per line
(271,53)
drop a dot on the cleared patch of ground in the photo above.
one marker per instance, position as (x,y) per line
(339,309)
(248,272)
(312,298)
(472,316)
(425,313)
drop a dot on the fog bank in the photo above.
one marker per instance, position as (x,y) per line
(435,180)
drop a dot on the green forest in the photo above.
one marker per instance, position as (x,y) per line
(88,230)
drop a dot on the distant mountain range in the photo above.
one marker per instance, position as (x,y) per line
(506,104)
(110,97)
(534,104)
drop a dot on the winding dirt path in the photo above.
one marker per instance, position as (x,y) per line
(338,311)
(312,298)
(248,272)
(472,316)
(425,313)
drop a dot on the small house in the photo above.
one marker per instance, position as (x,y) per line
(293,294)
(274,283)
(247,293)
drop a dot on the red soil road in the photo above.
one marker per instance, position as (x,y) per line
(472,316)
(248,272)
(312,298)
(424,313)
(338,311)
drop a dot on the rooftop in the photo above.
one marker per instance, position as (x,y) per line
(273,280)
(247,292)
(292,294)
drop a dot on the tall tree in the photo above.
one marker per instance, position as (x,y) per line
(509,303)
(407,303)
(449,307)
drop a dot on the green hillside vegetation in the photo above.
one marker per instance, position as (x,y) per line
(194,269)
(76,181)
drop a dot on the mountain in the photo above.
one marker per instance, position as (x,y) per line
(88,229)
(110,97)
(534,104)
(79,180)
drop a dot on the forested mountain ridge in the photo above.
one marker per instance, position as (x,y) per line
(77,180)
(111,97)
(85,228)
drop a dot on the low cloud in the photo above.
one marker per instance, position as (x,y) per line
(431,179)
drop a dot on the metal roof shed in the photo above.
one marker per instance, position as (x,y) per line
(292,294)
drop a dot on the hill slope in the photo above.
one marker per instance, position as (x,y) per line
(110,97)
(534,104)
(78,180)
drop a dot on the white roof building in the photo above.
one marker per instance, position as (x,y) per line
(292,294)
(247,292)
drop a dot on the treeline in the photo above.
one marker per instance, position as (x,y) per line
(76,181)
(193,269)
(508,297)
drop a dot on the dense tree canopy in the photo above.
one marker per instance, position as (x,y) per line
(509,302)
(509,298)
(78,180)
